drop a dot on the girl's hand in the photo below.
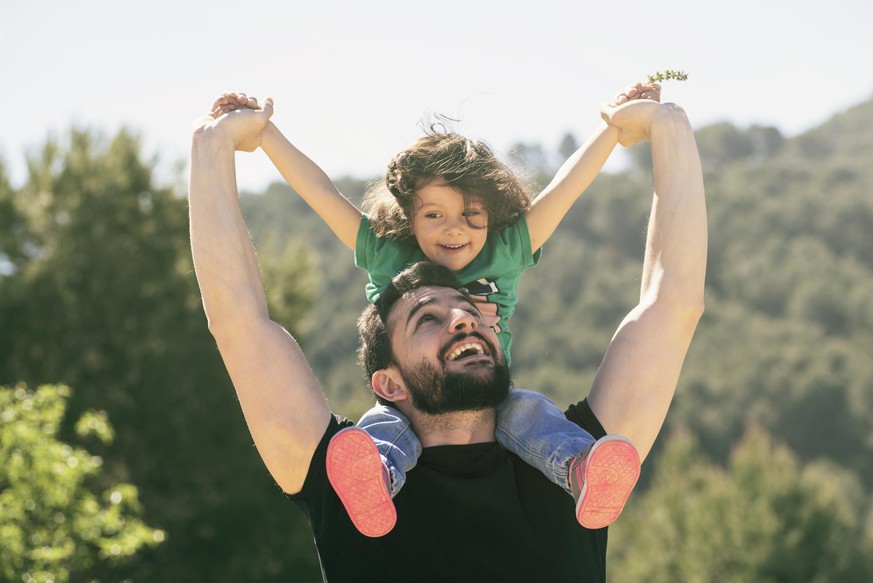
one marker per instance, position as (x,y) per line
(650,91)
(488,311)
(231,101)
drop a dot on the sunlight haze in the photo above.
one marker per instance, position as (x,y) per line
(352,79)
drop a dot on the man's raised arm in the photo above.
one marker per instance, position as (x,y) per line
(283,405)
(634,386)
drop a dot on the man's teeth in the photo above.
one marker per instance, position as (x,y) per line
(476,348)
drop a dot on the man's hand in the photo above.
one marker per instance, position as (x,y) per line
(632,119)
(237,118)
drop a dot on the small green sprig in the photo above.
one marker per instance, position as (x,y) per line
(667,74)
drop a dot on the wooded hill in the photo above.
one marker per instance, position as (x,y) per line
(787,336)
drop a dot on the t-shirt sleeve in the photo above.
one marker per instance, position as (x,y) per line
(582,415)
(380,257)
(515,245)
(316,493)
(364,243)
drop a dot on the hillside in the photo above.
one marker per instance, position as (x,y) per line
(786,337)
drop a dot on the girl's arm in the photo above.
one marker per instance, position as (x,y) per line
(578,172)
(301,173)
(571,180)
(313,185)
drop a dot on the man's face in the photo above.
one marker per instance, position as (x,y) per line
(448,359)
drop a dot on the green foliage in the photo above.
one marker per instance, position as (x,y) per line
(288,281)
(722,144)
(54,522)
(103,298)
(567,147)
(765,518)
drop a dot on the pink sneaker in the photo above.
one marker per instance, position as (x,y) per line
(602,479)
(359,477)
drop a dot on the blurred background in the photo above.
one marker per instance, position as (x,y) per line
(123,453)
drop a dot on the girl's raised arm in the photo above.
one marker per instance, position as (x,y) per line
(313,185)
(301,173)
(579,171)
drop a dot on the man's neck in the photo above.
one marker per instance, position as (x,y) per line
(461,428)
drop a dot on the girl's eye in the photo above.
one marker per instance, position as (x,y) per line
(432,215)
(477,218)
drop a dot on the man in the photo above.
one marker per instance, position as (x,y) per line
(469,511)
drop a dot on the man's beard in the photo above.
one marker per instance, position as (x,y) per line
(435,391)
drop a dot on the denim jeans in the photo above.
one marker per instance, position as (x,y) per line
(397,443)
(535,429)
(528,424)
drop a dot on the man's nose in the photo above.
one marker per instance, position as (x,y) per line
(462,320)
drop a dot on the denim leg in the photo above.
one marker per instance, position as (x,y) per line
(397,443)
(536,430)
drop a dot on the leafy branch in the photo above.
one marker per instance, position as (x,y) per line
(666,75)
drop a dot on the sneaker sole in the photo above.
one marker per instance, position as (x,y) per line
(354,469)
(610,476)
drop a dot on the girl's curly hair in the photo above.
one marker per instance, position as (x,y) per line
(467,165)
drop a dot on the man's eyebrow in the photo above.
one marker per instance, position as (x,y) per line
(418,306)
(468,301)
(432,300)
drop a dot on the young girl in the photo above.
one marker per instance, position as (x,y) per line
(448,199)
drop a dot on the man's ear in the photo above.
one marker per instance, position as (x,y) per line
(388,384)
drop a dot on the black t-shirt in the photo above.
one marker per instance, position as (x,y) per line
(466,513)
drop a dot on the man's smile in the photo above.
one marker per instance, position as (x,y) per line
(467,348)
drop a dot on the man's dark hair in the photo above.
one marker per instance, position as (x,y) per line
(375,351)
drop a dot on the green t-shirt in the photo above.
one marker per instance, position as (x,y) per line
(494,273)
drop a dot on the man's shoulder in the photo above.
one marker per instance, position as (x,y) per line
(581,414)
(316,476)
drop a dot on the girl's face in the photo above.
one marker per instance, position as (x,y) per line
(450,231)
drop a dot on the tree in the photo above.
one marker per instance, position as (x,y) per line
(104,299)
(567,147)
(55,522)
(11,225)
(764,518)
(532,161)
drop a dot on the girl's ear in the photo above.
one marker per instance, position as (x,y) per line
(388,384)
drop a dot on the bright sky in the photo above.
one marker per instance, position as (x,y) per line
(352,78)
